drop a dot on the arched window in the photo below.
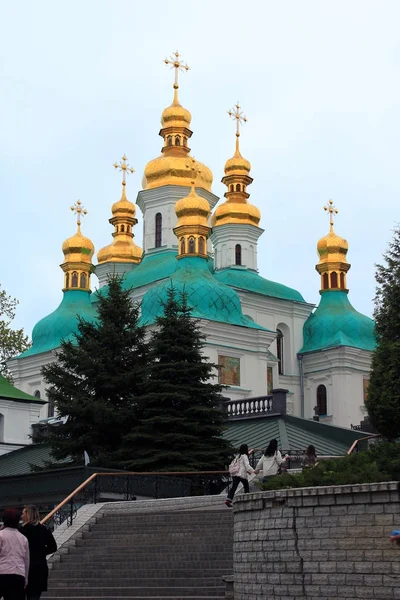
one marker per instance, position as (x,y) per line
(185,141)
(74,279)
(192,249)
(321,400)
(158,239)
(83,280)
(232,188)
(325,281)
(66,280)
(50,409)
(342,285)
(238,187)
(177,141)
(201,246)
(238,254)
(334,280)
(279,351)
(183,246)
(169,140)
(37,394)
(128,229)
(123,228)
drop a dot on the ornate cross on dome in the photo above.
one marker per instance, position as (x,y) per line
(195,170)
(79,211)
(237,114)
(124,167)
(332,210)
(176,63)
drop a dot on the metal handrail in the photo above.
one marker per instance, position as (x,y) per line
(356,442)
(120,474)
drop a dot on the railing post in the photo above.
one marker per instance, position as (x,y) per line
(156,488)
(71,511)
(95,491)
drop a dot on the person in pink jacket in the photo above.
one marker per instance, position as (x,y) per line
(14,558)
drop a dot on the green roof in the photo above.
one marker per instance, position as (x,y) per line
(245,279)
(153,267)
(208,298)
(61,324)
(10,392)
(336,323)
(18,462)
(292,433)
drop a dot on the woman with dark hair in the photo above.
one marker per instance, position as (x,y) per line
(271,461)
(14,558)
(243,471)
(310,457)
(41,543)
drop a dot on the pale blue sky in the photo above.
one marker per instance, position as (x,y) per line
(81,83)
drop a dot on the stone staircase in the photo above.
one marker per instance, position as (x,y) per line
(172,551)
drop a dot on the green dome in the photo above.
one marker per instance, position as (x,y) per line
(62,323)
(336,323)
(244,279)
(208,298)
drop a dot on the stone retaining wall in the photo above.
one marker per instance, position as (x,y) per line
(325,543)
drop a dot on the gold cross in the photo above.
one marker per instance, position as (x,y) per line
(176,63)
(124,167)
(195,169)
(237,114)
(332,210)
(79,211)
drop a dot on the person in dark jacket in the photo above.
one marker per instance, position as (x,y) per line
(41,543)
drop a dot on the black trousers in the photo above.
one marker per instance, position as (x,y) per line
(234,486)
(12,587)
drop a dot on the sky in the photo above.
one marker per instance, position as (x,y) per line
(83,82)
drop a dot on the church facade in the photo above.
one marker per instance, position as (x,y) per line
(260,333)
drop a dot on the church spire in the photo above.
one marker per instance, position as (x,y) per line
(236,209)
(332,250)
(78,252)
(122,249)
(192,229)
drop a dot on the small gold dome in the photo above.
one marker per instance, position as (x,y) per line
(237,165)
(123,206)
(78,248)
(175,170)
(192,210)
(236,212)
(176,116)
(332,248)
(120,250)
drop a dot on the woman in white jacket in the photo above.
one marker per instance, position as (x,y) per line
(271,461)
(243,474)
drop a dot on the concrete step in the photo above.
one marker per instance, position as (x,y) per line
(141,592)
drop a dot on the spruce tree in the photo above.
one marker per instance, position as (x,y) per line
(97,379)
(181,417)
(383,403)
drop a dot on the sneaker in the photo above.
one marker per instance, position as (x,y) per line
(228,503)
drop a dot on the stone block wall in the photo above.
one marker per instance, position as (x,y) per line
(318,543)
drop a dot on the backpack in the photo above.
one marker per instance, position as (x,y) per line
(234,466)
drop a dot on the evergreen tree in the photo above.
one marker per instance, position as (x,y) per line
(181,416)
(383,401)
(97,379)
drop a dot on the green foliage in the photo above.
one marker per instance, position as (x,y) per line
(383,403)
(96,381)
(12,341)
(381,462)
(181,420)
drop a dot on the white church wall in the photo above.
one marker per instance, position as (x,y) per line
(345,373)
(16,420)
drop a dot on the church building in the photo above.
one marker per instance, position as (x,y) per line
(260,333)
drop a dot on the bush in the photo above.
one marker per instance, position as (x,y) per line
(381,462)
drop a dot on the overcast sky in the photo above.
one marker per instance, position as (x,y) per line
(82,83)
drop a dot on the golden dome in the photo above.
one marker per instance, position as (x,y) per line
(192,210)
(236,212)
(237,165)
(332,248)
(175,116)
(168,169)
(122,249)
(78,248)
